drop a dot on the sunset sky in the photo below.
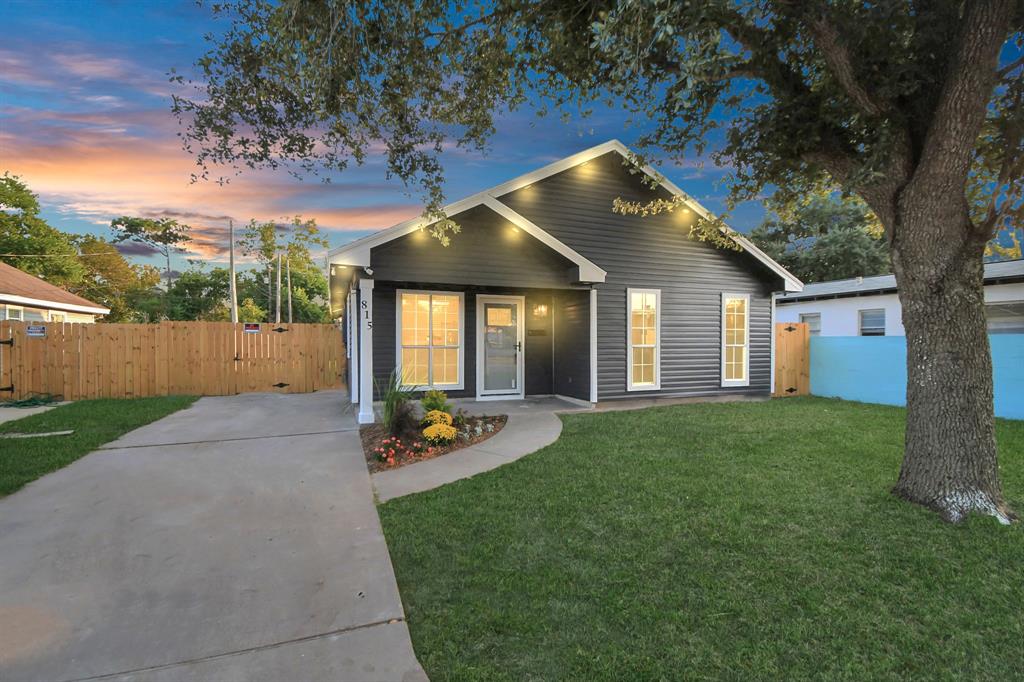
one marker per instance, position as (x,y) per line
(85,121)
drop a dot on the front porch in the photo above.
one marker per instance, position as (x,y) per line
(484,343)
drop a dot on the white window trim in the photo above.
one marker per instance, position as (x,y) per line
(745,381)
(462,337)
(21,313)
(656,386)
(860,321)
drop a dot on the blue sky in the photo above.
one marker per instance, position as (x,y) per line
(85,120)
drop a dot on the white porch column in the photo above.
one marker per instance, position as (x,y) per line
(593,345)
(352,319)
(365,317)
(771,326)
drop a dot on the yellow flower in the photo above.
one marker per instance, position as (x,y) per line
(439,434)
(437,417)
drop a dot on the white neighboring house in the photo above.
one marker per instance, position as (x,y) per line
(869,306)
(30,299)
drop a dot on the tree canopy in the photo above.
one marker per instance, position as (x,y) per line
(823,239)
(805,94)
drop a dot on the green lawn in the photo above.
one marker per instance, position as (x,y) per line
(739,541)
(95,422)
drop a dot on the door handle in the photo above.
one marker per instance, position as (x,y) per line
(519,346)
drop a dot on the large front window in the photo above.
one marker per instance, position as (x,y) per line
(644,356)
(735,339)
(430,339)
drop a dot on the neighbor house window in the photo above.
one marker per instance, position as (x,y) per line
(15,313)
(813,322)
(643,366)
(872,322)
(735,339)
(430,332)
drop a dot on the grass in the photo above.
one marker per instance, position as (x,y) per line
(738,541)
(95,422)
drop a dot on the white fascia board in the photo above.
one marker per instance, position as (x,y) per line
(589,272)
(53,305)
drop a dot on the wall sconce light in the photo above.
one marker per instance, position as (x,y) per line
(540,310)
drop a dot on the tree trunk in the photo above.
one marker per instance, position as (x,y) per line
(949,461)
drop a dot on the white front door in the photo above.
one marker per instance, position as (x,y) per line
(499,346)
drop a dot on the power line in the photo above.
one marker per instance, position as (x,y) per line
(52,255)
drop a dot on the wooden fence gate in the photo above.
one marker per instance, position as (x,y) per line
(792,359)
(77,361)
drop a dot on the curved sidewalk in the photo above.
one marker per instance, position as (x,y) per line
(531,425)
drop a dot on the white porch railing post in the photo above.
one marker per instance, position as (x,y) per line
(365,316)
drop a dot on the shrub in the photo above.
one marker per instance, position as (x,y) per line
(440,434)
(435,400)
(436,417)
(392,449)
(396,406)
(459,420)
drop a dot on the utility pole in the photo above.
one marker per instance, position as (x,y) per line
(270,286)
(277,307)
(288,267)
(231,259)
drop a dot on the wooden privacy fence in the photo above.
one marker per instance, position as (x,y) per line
(79,361)
(792,359)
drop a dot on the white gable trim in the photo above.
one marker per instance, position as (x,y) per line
(358,252)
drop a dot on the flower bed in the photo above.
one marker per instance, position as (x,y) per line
(384,451)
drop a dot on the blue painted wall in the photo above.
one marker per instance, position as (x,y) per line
(873,369)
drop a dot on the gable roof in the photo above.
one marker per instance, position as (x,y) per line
(358,252)
(20,288)
(1004,271)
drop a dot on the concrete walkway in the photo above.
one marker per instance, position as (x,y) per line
(532,424)
(9,414)
(234,540)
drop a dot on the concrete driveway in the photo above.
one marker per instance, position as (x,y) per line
(234,540)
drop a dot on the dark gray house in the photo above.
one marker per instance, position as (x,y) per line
(547,291)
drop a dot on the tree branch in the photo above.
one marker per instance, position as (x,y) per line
(1010,68)
(840,63)
(960,112)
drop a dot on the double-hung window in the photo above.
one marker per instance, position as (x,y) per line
(735,339)
(872,322)
(430,339)
(643,359)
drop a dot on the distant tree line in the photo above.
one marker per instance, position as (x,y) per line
(92,266)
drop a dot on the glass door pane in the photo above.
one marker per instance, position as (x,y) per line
(501,326)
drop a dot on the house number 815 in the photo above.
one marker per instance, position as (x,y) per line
(366,314)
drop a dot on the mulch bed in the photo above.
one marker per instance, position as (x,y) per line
(373,434)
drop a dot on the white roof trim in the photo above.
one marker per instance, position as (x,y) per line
(358,252)
(53,305)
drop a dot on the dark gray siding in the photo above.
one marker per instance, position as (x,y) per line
(538,345)
(654,252)
(572,344)
(488,251)
(538,353)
